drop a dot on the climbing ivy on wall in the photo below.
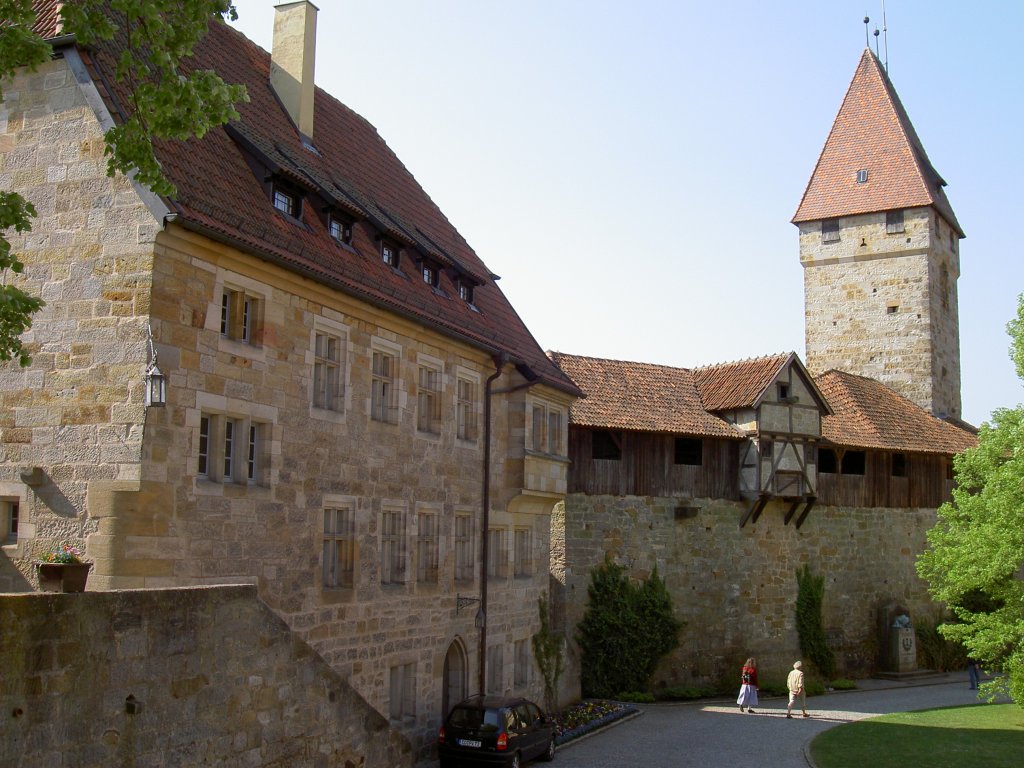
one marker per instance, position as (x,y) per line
(627,628)
(809,622)
(548,648)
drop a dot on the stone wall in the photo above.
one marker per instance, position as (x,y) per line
(735,588)
(77,412)
(885,305)
(203,676)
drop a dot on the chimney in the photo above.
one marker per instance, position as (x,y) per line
(291,61)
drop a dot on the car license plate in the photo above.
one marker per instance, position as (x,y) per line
(469,743)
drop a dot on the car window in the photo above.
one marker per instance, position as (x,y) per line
(534,711)
(524,716)
(472,717)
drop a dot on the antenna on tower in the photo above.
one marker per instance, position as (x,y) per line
(885,34)
(867,42)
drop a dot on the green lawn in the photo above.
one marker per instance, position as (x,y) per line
(990,735)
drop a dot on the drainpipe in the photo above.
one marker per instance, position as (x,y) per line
(481,618)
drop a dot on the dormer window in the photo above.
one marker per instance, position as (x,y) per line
(430,274)
(389,253)
(466,291)
(286,202)
(341,229)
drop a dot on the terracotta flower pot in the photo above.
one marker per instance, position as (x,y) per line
(63,577)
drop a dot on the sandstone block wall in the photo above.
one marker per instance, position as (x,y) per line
(204,676)
(735,588)
(885,305)
(78,411)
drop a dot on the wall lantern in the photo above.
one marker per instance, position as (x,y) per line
(156,386)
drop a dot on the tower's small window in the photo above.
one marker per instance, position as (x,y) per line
(892,309)
(894,222)
(830,231)
(862,176)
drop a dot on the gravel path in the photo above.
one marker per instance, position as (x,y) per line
(713,734)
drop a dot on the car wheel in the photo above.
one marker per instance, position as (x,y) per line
(549,753)
(515,761)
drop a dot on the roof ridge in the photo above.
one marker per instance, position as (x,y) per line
(759,358)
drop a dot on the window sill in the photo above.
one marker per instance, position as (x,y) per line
(326,414)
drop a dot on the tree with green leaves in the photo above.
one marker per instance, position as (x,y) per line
(627,628)
(166,104)
(974,562)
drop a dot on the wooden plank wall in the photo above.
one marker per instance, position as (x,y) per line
(647,467)
(925,484)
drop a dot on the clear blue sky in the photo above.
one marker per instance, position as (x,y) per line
(630,169)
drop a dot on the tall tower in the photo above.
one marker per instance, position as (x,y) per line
(879,244)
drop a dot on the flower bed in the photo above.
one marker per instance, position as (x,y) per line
(587,716)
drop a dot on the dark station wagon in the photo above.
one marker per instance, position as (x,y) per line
(492,730)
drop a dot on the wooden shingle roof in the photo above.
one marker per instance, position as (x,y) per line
(872,132)
(867,414)
(220,195)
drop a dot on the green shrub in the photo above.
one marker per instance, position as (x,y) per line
(814,687)
(842,684)
(809,624)
(680,693)
(636,697)
(773,688)
(626,630)
(936,651)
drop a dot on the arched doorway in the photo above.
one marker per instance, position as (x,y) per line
(456,670)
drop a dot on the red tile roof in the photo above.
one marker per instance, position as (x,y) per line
(857,411)
(872,132)
(639,396)
(728,386)
(352,170)
(867,414)
(47,18)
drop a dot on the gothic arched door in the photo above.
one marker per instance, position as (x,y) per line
(456,671)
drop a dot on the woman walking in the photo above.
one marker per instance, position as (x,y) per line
(748,686)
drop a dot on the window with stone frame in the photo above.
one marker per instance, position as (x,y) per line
(497,553)
(402,692)
(428,401)
(522,553)
(384,394)
(427,546)
(241,316)
(329,371)
(523,666)
(546,429)
(464,550)
(894,223)
(9,514)
(233,450)
(339,546)
(495,669)
(465,409)
(393,553)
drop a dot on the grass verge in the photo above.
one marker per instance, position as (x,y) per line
(990,735)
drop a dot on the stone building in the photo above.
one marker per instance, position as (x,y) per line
(880,248)
(353,408)
(729,478)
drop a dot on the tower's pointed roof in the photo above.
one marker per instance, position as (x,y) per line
(872,133)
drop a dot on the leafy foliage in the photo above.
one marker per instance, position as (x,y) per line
(809,623)
(548,650)
(168,104)
(975,553)
(627,628)
(935,650)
